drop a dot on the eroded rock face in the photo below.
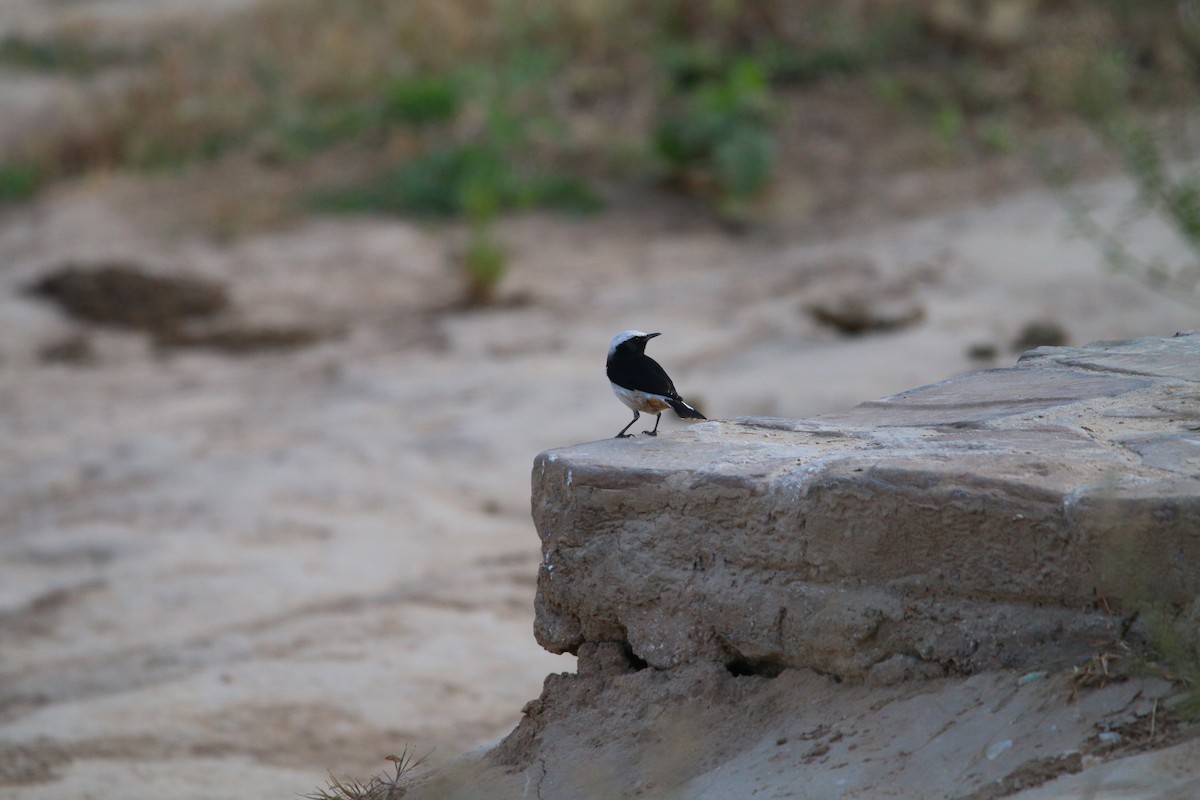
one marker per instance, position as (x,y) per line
(994,519)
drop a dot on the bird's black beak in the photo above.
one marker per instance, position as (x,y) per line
(652,335)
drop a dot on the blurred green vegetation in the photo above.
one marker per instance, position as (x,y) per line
(565,88)
(18,181)
(718,136)
(73,55)
(568,85)
(1162,169)
(1150,585)
(473,181)
(427,103)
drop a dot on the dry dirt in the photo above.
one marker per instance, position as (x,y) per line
(223,575)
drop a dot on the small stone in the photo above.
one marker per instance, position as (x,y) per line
(996,749)
(982,351)
(125,295)
(1039,333)
(75,349)
(853,315)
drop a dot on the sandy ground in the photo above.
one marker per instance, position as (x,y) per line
(222,576)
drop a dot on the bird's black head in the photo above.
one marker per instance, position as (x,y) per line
(630,341)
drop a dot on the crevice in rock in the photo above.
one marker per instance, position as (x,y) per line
(636,662)
(609,657)
(765,667)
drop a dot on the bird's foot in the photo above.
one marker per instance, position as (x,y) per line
(650,433)
(623,436)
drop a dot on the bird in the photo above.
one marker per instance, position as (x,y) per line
(640,383)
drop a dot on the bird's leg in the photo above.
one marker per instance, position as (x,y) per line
(622,434)
(657,419)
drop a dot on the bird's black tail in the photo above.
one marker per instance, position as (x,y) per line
(684,410)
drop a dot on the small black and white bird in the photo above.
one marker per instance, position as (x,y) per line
(640,383)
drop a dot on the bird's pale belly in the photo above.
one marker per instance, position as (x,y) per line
(640,401)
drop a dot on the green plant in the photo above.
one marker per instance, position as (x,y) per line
(430,185)
(948,123)
(476,182)
(717,139)
(19,181)
(482,195)
(421,101)
(997,135)
(484,263)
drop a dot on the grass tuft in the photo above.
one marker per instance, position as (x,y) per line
(386,786)
(422,101)
(19,181)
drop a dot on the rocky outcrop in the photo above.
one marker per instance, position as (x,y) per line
(997,519)
(929,595)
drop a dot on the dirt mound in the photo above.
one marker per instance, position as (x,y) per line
(177,311)
(123,295)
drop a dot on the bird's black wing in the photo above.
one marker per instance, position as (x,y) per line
(641,373)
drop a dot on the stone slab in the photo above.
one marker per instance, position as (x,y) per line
(994,519)
(1167,774)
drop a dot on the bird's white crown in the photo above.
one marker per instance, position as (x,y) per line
(623,336)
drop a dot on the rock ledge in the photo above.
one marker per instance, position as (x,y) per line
(995,519)
(751,600)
